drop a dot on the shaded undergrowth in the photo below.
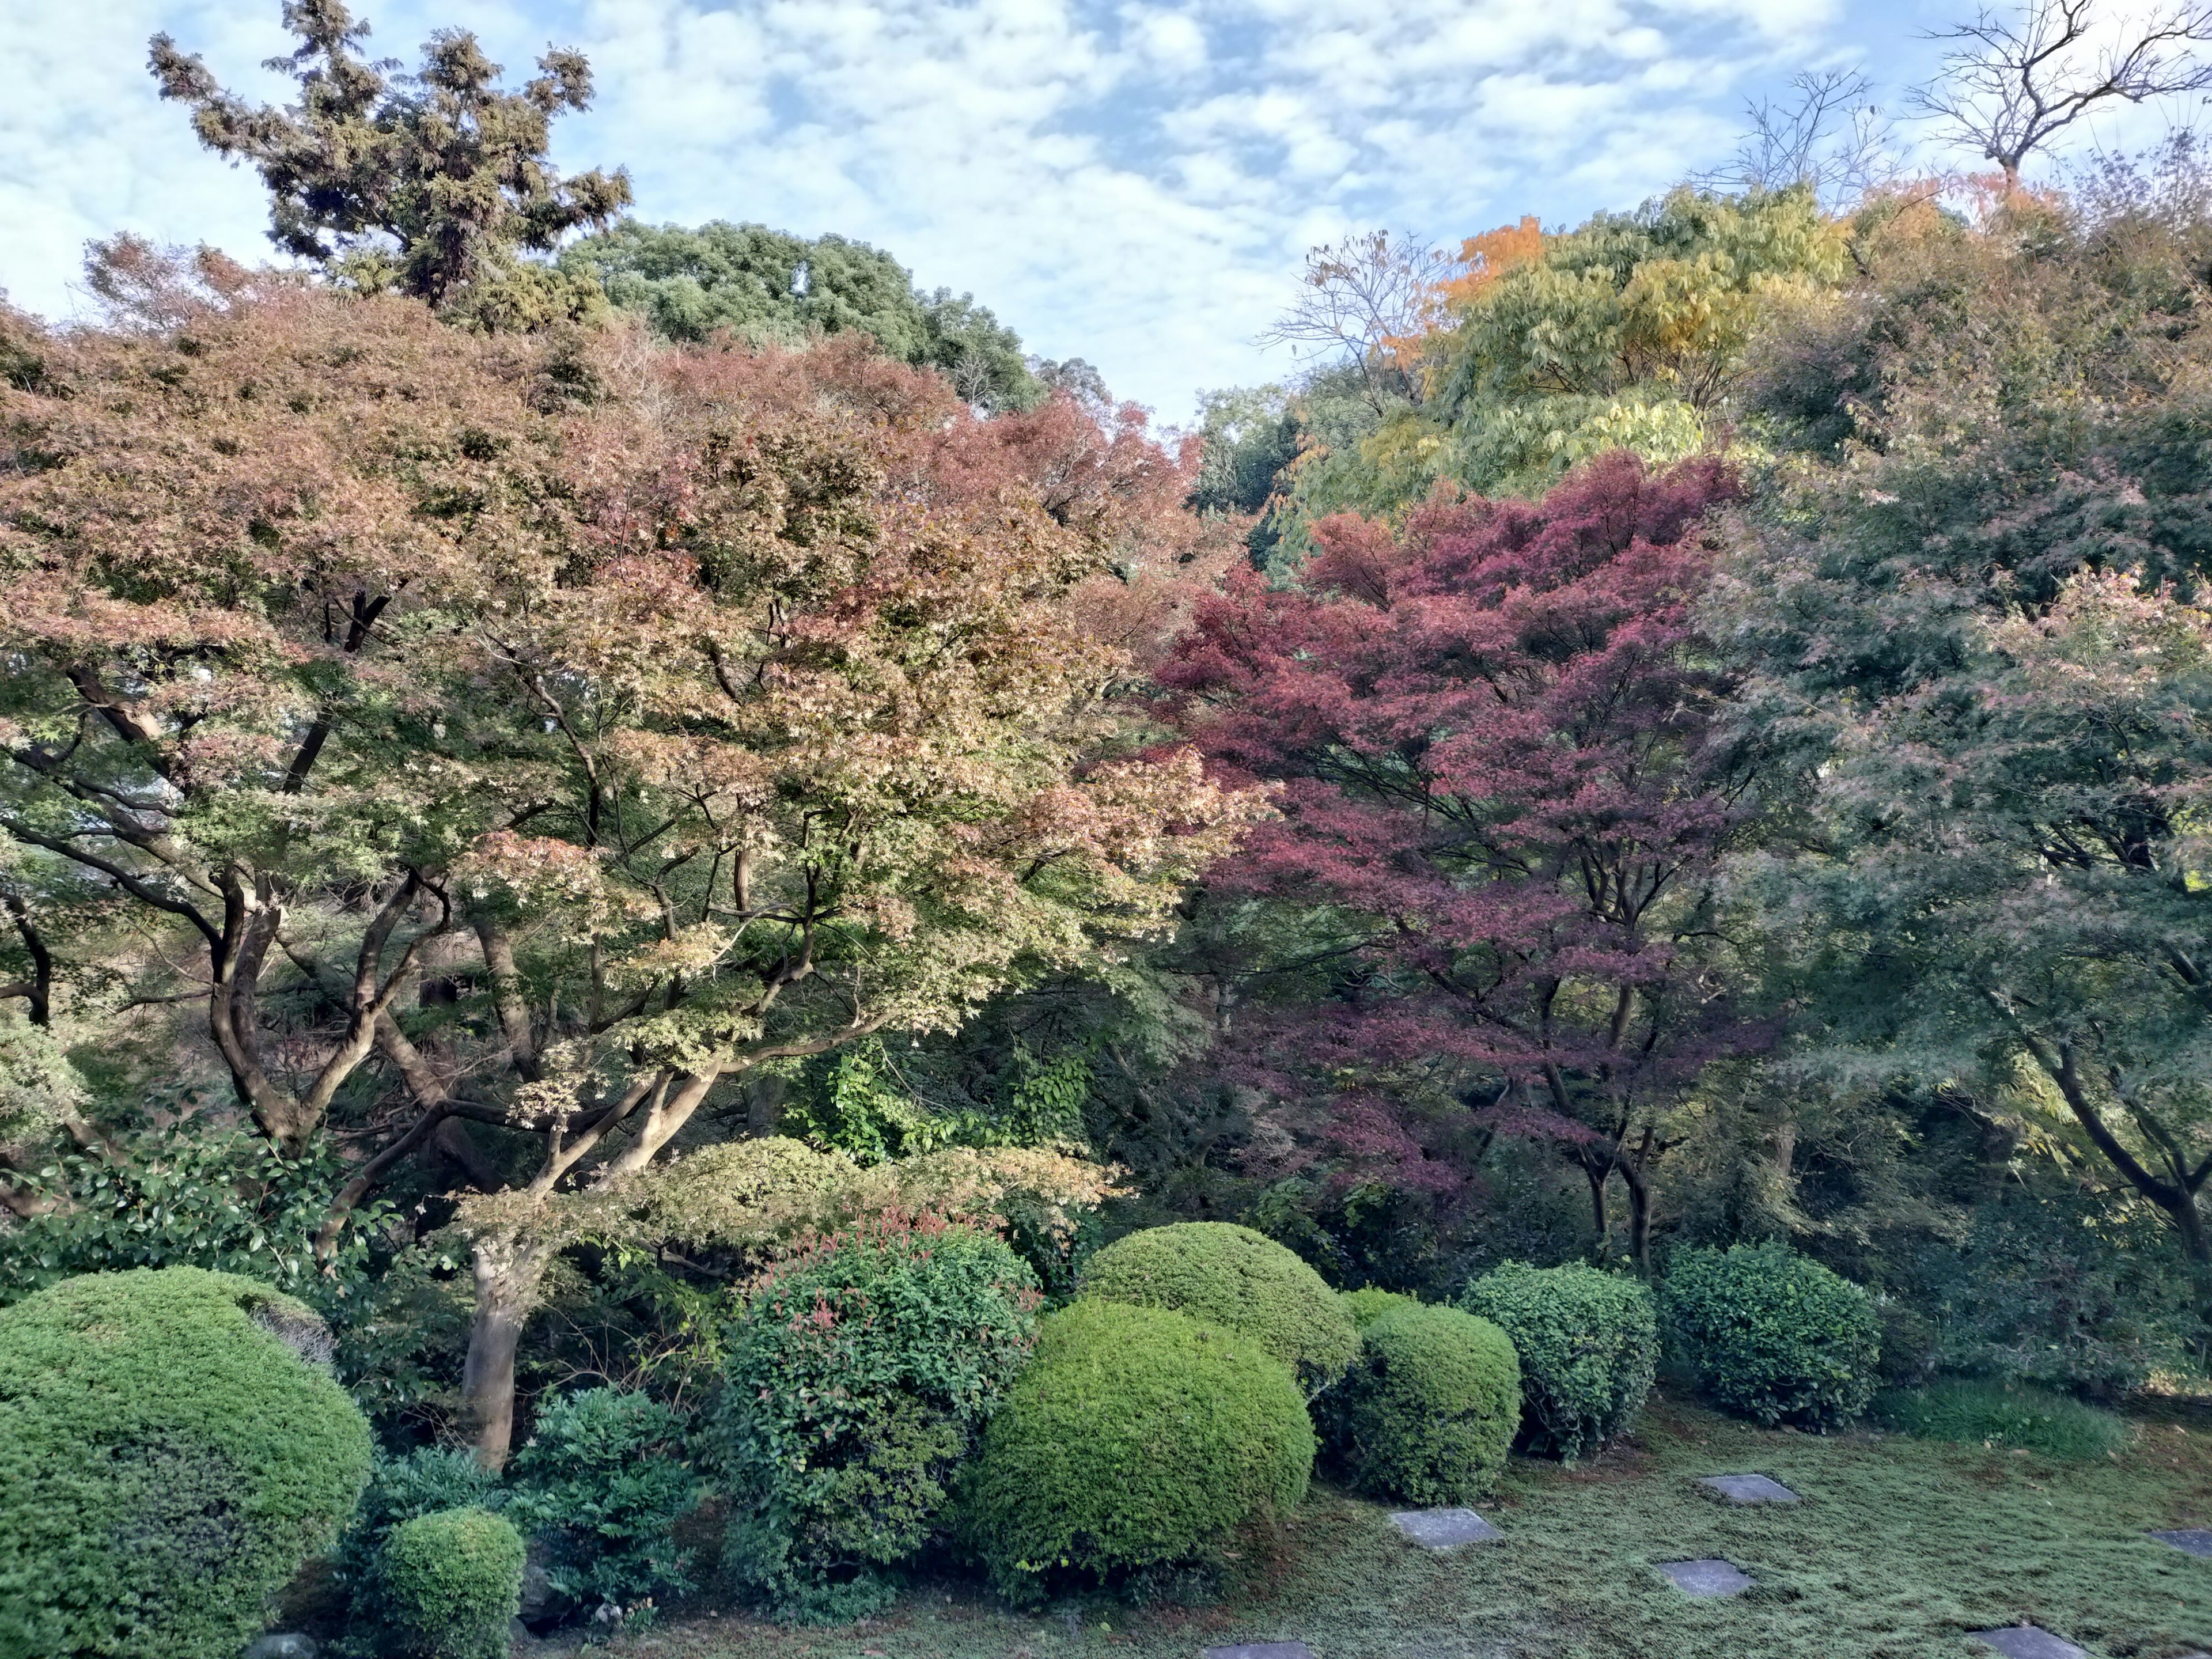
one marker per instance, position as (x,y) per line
(1899,1548)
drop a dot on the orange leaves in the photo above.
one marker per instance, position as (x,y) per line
(1486,258)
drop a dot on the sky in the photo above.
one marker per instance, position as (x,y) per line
(1135,184)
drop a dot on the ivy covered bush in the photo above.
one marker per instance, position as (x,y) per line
(1429,1413)
(168,1459)
(1772,1335)
(450,1582)
(1236,1278)
(603,1481)
(862,1374)
(1137,1438)
(1589,1346)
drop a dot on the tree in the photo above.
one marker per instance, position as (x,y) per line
(765,287)
(429,191)
(674,713)
(2009,85)
(1491,735)
(1366,298)
(1973,637)
(1830,138)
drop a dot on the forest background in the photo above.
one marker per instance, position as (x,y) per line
(548,755)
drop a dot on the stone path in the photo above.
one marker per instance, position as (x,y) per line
(2028,1641)
(1262,1650)
(1707,1578)
(1749,1488)
(1445,1529)
(2190,1540)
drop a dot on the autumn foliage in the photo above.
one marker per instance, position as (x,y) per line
(1490,739)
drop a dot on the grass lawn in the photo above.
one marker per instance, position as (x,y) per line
(1899,1547)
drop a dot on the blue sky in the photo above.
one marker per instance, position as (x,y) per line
(1132,183)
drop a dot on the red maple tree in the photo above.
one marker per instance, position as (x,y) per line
(1492,737)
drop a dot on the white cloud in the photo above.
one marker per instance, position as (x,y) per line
(1128,181)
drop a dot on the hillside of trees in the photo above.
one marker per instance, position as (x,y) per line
(557,772)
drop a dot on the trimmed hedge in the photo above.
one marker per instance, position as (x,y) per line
(859,1381)
(1137,1437)
(166,1460)
(1589,1346)
(1238,1279)
(1368,1304)
(451,1583)
(602,1483)
(1429,1413)
(1772,1335)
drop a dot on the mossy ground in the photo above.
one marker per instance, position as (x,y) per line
(1899,1547)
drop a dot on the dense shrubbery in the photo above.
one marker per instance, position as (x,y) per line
(1588,1343)
(1772,1335)
(1369,1304)
(1239,1279)
(1137,1437)
(864,1370)
(448,1584)
(1993,1414)
(1429,1412)
(166,1460)
(603,1481)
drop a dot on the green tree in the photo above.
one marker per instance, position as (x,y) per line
(764,286)
(429,185)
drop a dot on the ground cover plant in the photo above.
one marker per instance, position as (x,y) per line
(2016,1418)
(1899,1547)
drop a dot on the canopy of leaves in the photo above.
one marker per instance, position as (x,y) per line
(429,185)
(767,287)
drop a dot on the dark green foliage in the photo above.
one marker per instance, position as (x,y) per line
(1137,1437)
(186,1195)
(429,1480)
(863,1372)
(1772,1335)
(1993,1414)
(1232,1276)
(767,287)
(166,1460)
(429,184)
(1370,1302)
(1588,1343)
(1429,1413)
(450,1582)
(602,1480)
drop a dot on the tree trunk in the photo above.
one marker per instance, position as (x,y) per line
(507,1276)
(1639,1217)
(1597,1175)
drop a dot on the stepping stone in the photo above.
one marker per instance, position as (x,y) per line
(1706,1577)
(1749,1488)
(2028,1641)
(1262,1650)
(1445,1529)
(2190,1540)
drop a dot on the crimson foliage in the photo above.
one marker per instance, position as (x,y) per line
(1493,733)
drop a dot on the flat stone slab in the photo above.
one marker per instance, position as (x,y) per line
(1445,1529)
(1749,1488)
(1262,1650)
(2029,1642)
(1706,1577)
(2190,1540)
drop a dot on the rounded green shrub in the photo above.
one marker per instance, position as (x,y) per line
(1369,1304)
(450,1584)
(1588,1343)
(168,1459)
(860,1378)
(1429,1413)
(602,1483)
(1137,1437)
(1979,1412)
(1772,1335)
(1236,1278)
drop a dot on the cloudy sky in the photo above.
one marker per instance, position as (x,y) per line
(1132,183)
